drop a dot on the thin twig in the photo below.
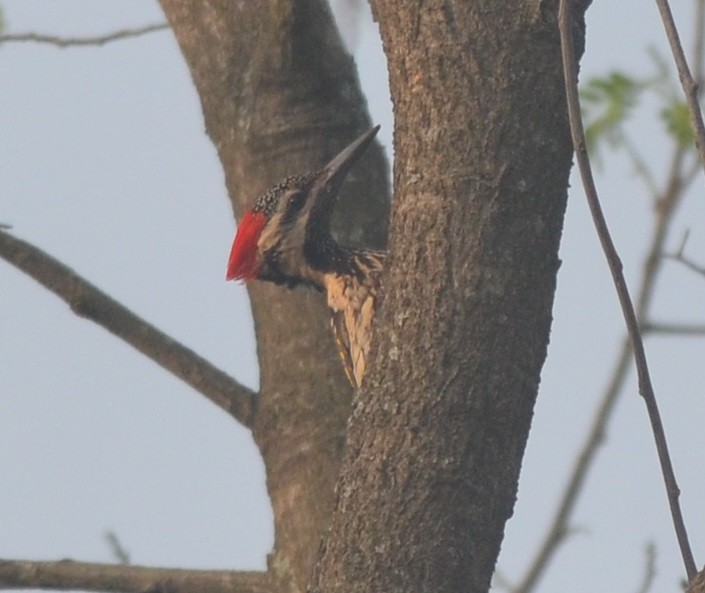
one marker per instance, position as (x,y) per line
(68,575)
(640,166)
(699,42)
(559,528)
(667,205)
(688,263)
(690,86)
(64,42)
(684,242)
(122,556)
(649,568)
(673,329)
(88,301)
(679,180)
(615,265)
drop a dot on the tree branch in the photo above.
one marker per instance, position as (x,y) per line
(67,575)
(678,182)
(687,262)
(280,95)
(649,568)
(640,166)
(690,86)
(64,42)
(674,329)
(87,301)
(121,555)
(615,265)
(559,525)
(667,204)
(697,585)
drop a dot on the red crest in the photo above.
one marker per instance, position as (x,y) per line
(243,264)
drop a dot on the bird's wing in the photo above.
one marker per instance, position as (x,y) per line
(342,341)
(352,305)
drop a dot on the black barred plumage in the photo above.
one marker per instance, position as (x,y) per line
(352,300)
(285,239)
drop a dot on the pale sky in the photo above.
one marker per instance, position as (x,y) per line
(104,163)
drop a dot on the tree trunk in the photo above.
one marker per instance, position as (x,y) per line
(482,159)
(280,96)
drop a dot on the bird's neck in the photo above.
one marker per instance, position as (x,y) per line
(325,255)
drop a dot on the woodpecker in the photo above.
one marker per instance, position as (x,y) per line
(285,238)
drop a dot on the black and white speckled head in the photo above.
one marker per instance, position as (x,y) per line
(285,237)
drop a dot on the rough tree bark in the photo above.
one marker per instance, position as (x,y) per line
(280,95)
(482,158)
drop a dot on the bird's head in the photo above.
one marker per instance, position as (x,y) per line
(285,236)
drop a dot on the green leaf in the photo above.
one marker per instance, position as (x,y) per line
(678,125)
(607,103)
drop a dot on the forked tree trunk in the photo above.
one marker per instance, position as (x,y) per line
(481,168)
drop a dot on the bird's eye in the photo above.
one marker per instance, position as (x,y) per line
(295,200)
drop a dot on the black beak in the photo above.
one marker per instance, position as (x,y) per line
(333,173)
(325,189)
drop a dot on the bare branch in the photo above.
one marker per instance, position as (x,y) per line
(680,178)
(667,204)
(122,556)
(687,262)
(673,329)
(615,265)
(559,525)
(690,86)
(67,575)
(640,166)
(678,182)
(699,42)
(684,242)
(649,568)
(697,584)
(64,42)
(88,301)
